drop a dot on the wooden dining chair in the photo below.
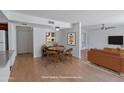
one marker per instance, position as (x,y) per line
(68,53)
(52,55)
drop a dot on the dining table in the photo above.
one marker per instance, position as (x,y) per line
(59,50)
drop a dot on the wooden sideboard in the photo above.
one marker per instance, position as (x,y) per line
(109,59)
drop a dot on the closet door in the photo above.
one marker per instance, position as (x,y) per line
(24,42)
(21,42)
(30,41)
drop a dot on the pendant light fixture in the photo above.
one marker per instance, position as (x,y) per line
(57,28)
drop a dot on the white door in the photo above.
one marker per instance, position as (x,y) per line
(24,42)
(2,40)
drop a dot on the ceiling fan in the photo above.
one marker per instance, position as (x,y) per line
(103,27)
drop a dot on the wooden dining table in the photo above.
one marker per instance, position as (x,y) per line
(59,50)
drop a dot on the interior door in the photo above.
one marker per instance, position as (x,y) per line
(24,39)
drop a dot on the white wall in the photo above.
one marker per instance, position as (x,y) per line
(39,38)
(59,37)
(12,40)
(83,38)
(76,27)
(12,37)
(99,39)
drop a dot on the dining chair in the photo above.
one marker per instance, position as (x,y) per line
(44,51)
(52,55)
(61,56)
(68,53)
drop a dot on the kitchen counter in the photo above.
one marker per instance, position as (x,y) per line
(7,59)
(4,57)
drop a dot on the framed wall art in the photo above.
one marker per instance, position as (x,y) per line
(50,37)
(71,38)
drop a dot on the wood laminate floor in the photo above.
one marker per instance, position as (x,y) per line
(27,69)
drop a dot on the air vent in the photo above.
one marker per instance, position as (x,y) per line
(24,24)
(51,22)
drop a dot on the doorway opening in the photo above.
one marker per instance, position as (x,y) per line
(24,36)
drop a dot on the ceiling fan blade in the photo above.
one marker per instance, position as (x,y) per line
(106,28)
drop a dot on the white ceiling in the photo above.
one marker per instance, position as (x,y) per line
(87,17)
